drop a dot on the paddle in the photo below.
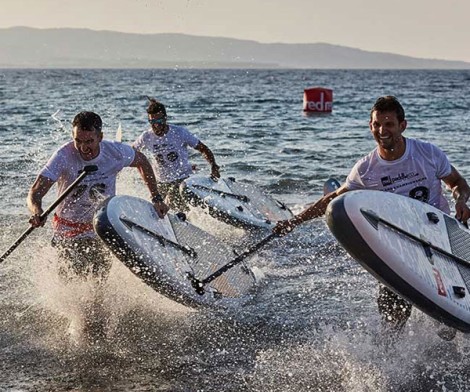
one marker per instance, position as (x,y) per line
(329,186)
(83,173)
(199,284)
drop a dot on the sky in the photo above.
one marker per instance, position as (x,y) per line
(437,29)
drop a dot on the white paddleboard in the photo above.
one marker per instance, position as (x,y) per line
(239,204)
(162,252)
(413,248)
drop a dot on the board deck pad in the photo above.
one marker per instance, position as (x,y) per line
(413,248)
(162,252)
(237,203)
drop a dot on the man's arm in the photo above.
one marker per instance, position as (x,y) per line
(146,172)
(209,157)
(34,200)
(460,192)
(312,211)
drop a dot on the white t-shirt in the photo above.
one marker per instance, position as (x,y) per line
(416,174)
(79,206)
(170,152)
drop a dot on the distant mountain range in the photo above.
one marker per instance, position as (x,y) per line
(24,47)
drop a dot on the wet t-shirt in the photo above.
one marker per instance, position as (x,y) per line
(75,213)
(416,174)
(170,152)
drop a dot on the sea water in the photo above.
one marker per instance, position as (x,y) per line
(313,323)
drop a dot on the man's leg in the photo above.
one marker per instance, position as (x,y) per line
(87,258)
(172,195)
(83,258)
(395,311)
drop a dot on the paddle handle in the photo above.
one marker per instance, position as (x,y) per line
(86,170)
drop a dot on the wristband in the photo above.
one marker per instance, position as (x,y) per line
(157,199)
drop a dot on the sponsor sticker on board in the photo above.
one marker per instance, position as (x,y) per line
(441,290)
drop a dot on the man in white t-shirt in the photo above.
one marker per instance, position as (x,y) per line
(168,144)
(399,165)
(74,236)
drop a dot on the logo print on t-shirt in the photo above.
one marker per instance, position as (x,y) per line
(79,191)
(389,180)
(172,156)
(420,193)
(159,158)
(97,192)
(386,181)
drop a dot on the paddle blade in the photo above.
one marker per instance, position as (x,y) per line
(330,185)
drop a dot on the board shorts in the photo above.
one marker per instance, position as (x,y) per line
(83,257)
(171,194)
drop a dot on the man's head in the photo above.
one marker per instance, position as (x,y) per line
(388,104)
(387,123)
(87,134)
(157,116)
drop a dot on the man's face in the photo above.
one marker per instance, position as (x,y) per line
(87,142)
(158,122)
(387,130)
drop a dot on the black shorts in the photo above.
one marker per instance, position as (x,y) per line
(394,309)
(172,195)
(83,257)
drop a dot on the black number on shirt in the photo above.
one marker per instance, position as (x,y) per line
(420,193)
(172,156)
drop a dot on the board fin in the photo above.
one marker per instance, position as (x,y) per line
(119,133)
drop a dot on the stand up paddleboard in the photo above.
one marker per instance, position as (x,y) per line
(233,202)
(413,248)
(164,252)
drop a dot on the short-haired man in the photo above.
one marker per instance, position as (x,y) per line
(82,252)
(72,222)
(394,155)
(169,146)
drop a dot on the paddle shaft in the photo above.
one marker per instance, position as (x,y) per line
(199,284)
(86,170)
(330,185)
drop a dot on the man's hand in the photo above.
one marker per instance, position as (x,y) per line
(460,192)
(462,212)
(215,173)
(36,221)
(160,207)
